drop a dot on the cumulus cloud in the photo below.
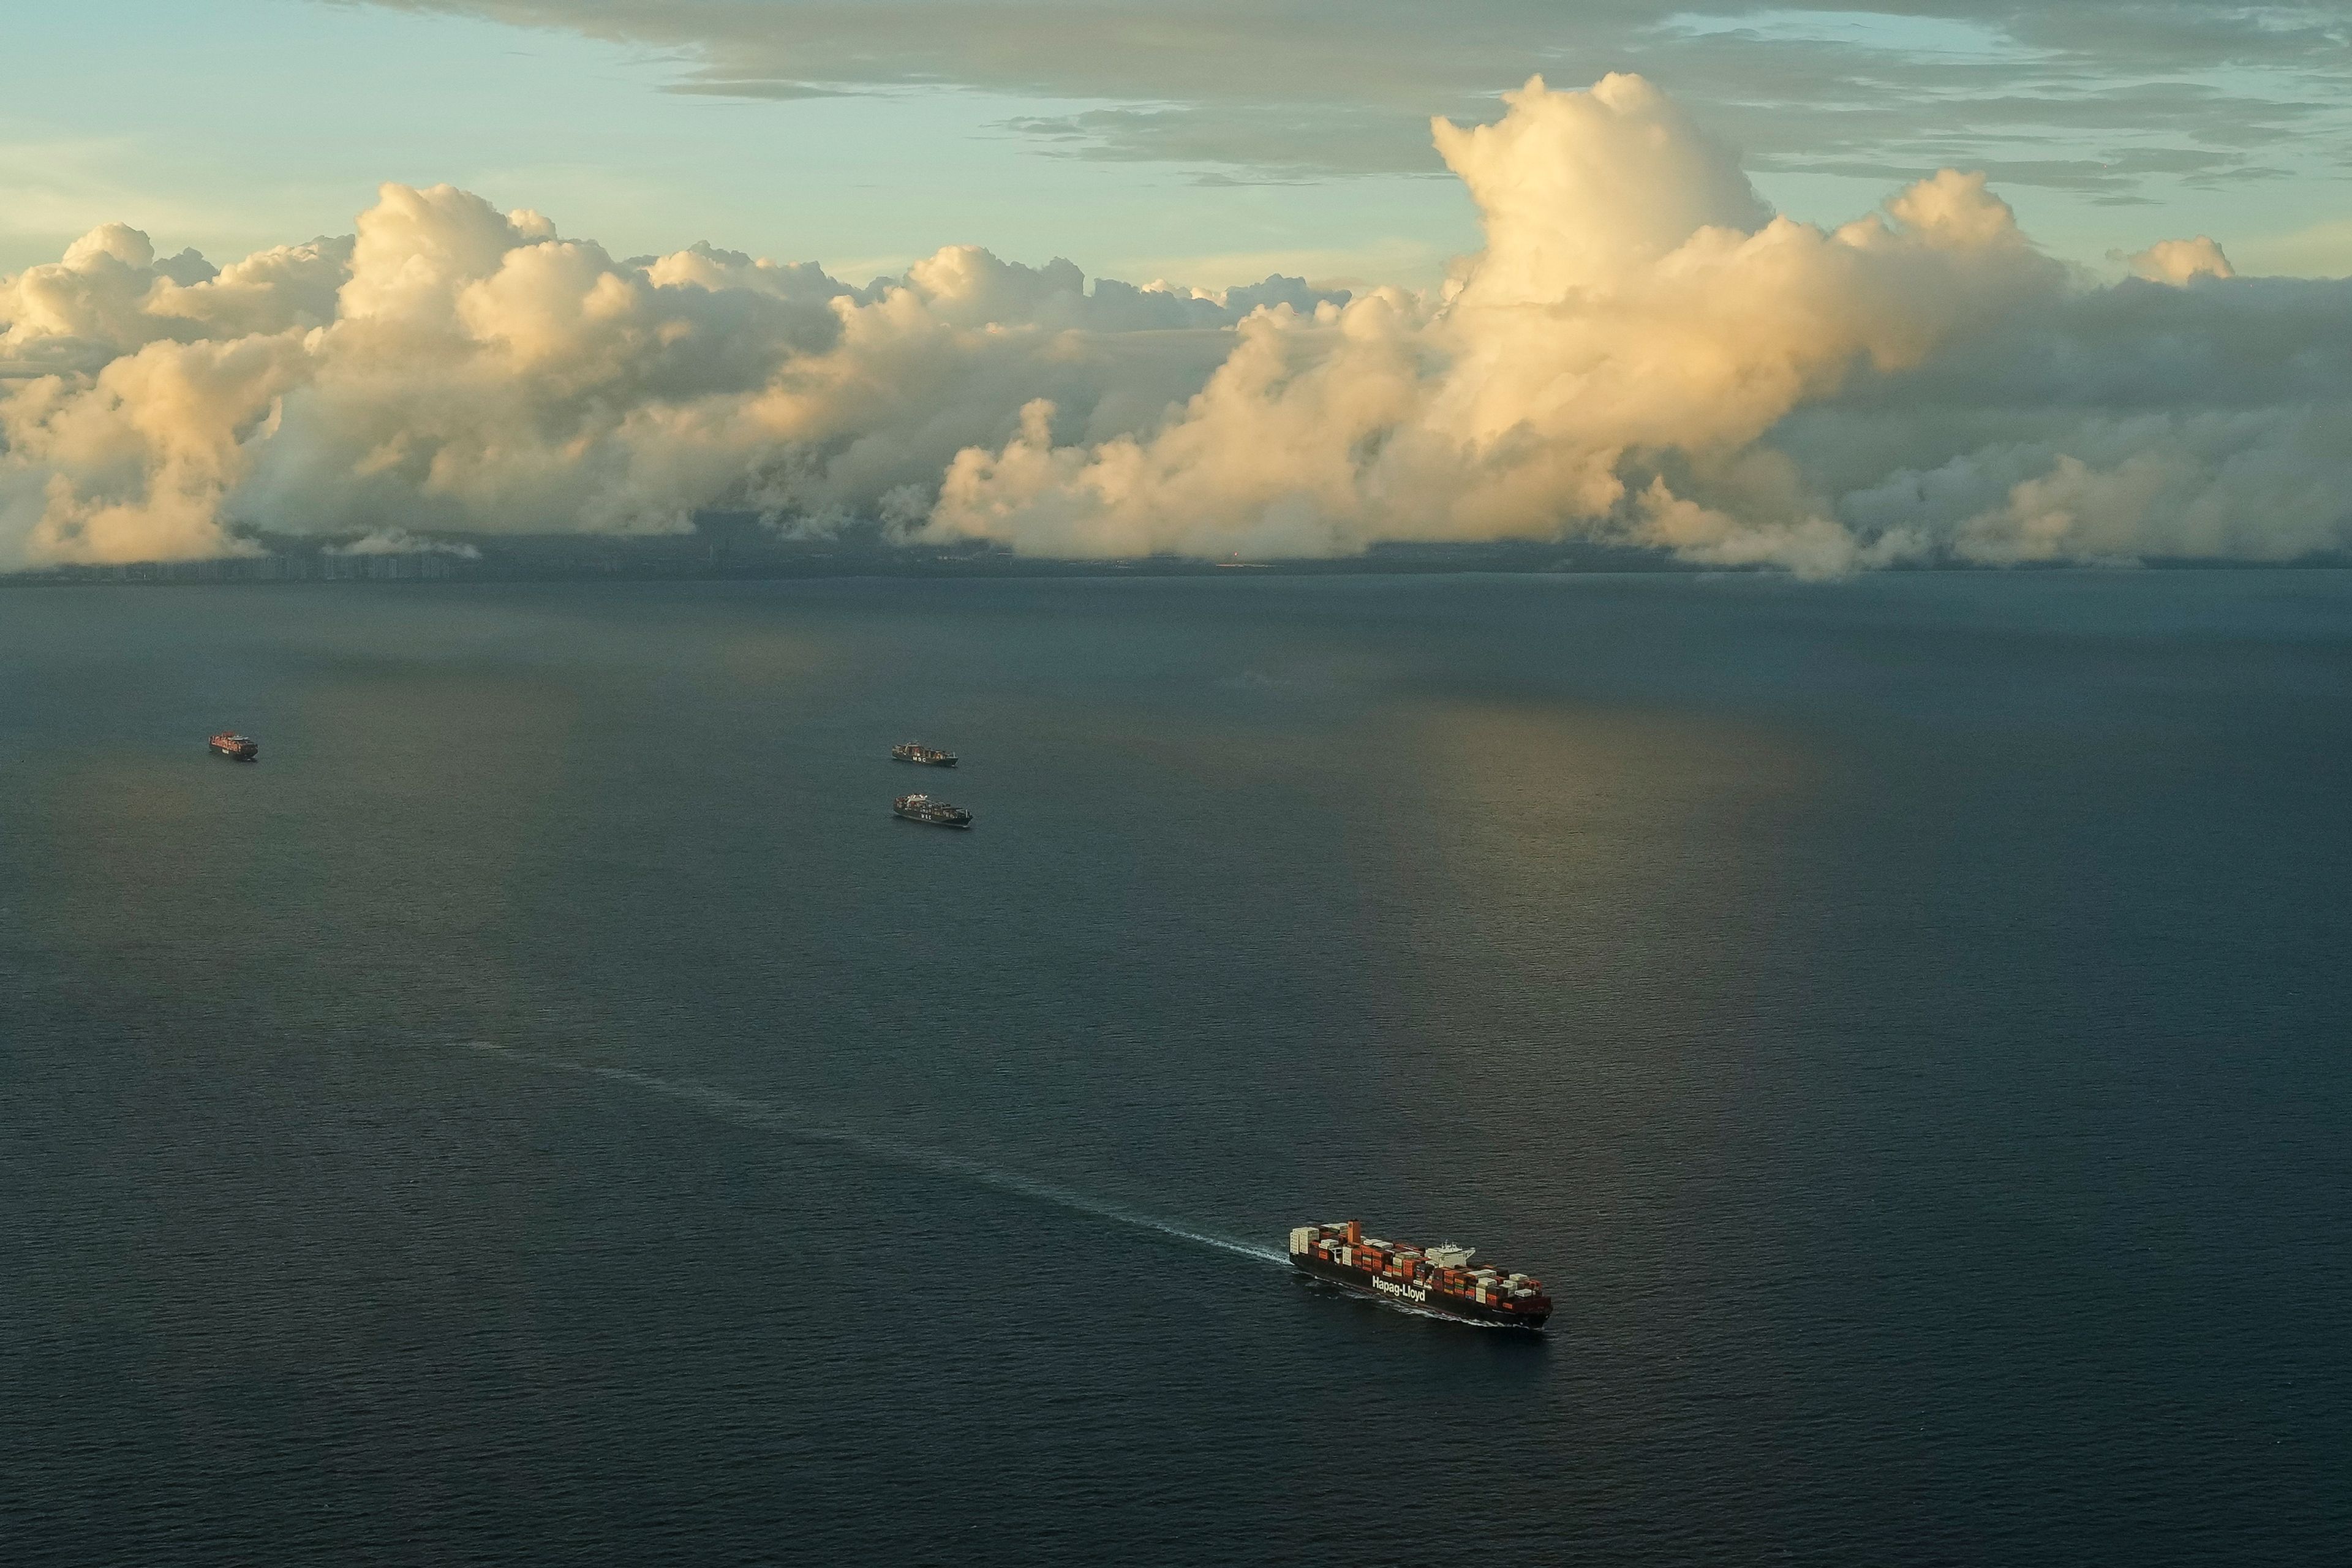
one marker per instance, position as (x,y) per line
(400,541)
(1636,302)
(2178,262)
(1643,352)
(450,367)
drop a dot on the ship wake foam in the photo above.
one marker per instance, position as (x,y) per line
(767,1117)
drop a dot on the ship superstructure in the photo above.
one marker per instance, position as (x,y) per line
(929,756)
(938,813)
(244,748)
(1434,1278)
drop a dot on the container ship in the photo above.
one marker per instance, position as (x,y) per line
(244,748)
(929,756)
(1433,1279)
(938,813)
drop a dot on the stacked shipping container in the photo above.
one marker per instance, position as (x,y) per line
(1438,1278)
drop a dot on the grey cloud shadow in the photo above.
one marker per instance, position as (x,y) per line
(1282,90)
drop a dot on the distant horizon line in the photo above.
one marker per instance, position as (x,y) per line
(596,562)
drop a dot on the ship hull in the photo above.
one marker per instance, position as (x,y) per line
(930,761)
(928,821)
(1420,1298)
(236,755)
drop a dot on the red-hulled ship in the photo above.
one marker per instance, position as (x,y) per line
(244,748)
(1433,1279)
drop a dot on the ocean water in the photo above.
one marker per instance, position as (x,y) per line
(549,1110)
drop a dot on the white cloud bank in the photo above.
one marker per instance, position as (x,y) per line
(1643,354)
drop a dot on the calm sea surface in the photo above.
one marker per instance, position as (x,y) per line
(549,1110)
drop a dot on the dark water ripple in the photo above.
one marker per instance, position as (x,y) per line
(549,1111)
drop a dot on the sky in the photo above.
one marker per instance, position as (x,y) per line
(1820,289)
(1197,140)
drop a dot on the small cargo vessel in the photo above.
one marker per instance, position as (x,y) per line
(244,748)
(1437,1279)
(929,756)
(938,813)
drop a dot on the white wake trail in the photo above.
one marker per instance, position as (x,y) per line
(771,1118)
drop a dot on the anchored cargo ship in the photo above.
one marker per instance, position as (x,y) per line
(244,748)
(938,813)
(1433,1279)
(929,756)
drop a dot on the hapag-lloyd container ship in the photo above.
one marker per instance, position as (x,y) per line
(1433,1279)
